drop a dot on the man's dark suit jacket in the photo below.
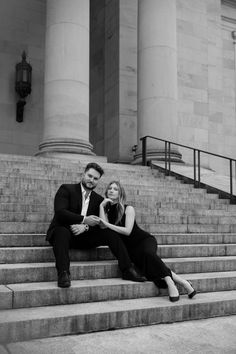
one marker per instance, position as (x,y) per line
(68,205)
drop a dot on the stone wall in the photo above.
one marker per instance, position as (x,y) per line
(206,79)
(229,81)
(22,27)
(193,71)
(206,76)
(113,78)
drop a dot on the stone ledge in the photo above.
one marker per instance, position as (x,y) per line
(96,290)
(41,322)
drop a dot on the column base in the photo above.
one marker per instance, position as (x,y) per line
(158,155)
(58,147)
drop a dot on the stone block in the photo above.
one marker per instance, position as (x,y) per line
(82,291)
(201,108)
(6,297)
(27,324)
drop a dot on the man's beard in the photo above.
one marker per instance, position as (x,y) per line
(86,187)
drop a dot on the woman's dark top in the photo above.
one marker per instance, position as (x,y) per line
(136,235)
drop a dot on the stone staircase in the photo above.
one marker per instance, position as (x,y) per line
(196,233)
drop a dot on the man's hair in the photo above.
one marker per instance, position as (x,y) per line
(95,166)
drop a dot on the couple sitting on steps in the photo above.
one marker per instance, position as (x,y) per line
(84,219)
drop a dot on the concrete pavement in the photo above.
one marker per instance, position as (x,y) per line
(209,336)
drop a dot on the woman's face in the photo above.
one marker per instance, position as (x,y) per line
(113,192)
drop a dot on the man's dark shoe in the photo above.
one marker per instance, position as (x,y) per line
(132,274)
(64,279)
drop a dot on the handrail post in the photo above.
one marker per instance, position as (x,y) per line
(194,166)
(199,164)
(144,150)
(169,157)
(165,157)
(231,179)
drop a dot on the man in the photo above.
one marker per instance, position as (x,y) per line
(76,225)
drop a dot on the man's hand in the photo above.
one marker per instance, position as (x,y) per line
(78,228)
(91,220)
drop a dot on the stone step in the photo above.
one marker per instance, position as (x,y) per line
(30,240)
(188,239)
(26,208)
(138,181)
(76,169)
(41,272)
(39,322)
(172,201)
(160,208)
(47,293)
(178,218)
(13,227)
(73,175)
(190,212)
(23,240)
(125,179)
(31,161)
(141,188)
(22,227)
(189,219)
(164,194)
(60,178)
(149,223)
(144,201)
(70,169)
(140,212)
(189,228)
(26,217)
(73,172)
(45,253)
(204,204)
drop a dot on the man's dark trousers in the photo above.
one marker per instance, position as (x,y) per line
(63,239)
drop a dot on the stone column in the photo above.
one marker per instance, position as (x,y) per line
(66,92)
(233,34)
(157,75)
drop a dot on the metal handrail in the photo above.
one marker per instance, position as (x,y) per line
(168,144)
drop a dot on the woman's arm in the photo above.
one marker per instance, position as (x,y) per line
(129,222)
(102,213)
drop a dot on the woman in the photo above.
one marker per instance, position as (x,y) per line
(141,246)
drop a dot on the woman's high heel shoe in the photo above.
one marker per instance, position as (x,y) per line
(174,298)
(193,293)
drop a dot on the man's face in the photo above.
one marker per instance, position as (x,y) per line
(90,179)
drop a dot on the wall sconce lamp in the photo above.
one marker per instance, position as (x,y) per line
(22,85)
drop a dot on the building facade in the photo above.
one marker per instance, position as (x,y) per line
(107,72)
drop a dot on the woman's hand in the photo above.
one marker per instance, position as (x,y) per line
(103,224)
(105,202)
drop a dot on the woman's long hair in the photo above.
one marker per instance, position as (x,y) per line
(120,206)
